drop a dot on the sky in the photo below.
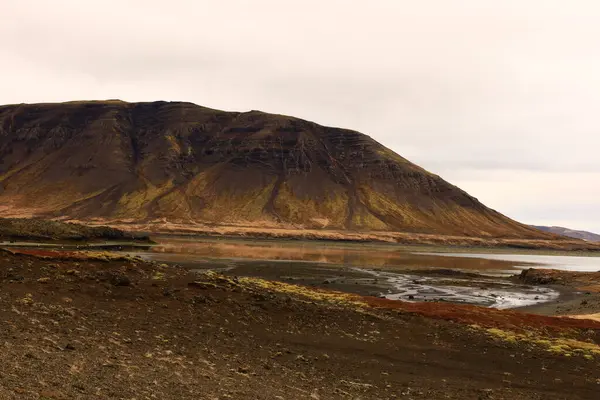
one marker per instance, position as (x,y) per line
(501,98)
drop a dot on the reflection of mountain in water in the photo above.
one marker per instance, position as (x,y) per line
(354,255)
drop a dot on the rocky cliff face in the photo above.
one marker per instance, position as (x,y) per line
(113,160)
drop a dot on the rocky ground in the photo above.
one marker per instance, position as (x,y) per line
(87,326)
(580,292)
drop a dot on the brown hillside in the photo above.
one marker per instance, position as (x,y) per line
(144,162)
(32,229)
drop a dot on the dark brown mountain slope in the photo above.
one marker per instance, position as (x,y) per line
(113,160)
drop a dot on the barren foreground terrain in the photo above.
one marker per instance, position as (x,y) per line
(100,326)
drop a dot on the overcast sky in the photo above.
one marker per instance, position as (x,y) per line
(500,97)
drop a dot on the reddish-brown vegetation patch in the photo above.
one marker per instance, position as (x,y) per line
(487,317)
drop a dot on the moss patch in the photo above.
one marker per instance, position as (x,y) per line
(567,347)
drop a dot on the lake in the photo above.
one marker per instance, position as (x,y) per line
(409,273)
(395,272)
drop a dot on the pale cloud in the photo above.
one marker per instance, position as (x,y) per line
(499,97)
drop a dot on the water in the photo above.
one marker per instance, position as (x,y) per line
(389,257)
(488,293)
(560,262)
(391,271)
(394,272)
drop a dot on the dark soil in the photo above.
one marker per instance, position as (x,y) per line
(569,303)
(124,329)
(580,291)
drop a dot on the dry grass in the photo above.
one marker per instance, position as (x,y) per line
(72,255)
(565,346)
(332,297)
(266,229)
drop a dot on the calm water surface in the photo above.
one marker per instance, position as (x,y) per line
(386,257)
(560,262)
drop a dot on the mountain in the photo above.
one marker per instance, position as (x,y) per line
(558,230)
(173,161)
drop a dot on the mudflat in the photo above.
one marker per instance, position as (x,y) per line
(580,292)
(87,325)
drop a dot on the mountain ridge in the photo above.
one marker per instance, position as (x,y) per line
(176,161)
(572,233)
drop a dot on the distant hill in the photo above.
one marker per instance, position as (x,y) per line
(36,229)
(143,162)
(558,230)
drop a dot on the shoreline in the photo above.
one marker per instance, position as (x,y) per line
(415,284)
(579,292)
(333,236)
(571,301)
